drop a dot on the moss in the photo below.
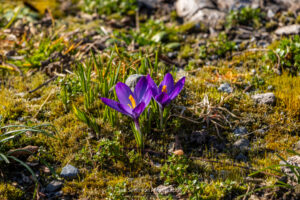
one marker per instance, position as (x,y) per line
(96,183)
(298,19)
(10,192)
(271,26)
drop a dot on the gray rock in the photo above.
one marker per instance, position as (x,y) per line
(295,161)
(132,80)
(297,145)
(203,11)
(69,172)
(54,195)
(253,71)
(164,190)
(292,5)
(242,145)
(241,157)
(225,87)
(54,186)
(240,131)
(265,98)
(150,4)
(288,30)
(270,14)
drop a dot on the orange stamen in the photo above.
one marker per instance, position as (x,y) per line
(164,89)
(132,102)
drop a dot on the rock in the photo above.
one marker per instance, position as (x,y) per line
(270,88)
(225,87)
(171,147)
(295,161)
(199,137)
(132,80)
(292,5)
(265,98)
(164,190)
(225,5)
(288,30)
(297,145)
(199,11)
(270,14)
(241,157)
(242,145)
(240,131)
(55,195)
(149,4)
(54,186)
(69,172)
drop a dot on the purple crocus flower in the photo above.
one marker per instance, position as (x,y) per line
(131,103)
(165,92)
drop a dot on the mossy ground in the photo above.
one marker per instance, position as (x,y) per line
(110,166)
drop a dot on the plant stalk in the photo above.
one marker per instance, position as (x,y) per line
(161,114)
(139,135)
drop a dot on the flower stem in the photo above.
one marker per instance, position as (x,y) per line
(138,135)
(161,113)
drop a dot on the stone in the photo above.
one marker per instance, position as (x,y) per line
(69,172)
(55,195)
(270,88)
(265,98)
(241,157)
(295,161)
(132,80)
(242,145)
(164,190)
(199,137)
(270,14)
(288,30)
(203,11)
(297,145)
(292,5)
(54,186)
(225,87)
(149,4)
(240,131)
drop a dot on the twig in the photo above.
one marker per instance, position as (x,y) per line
(44,84)
(48,97)
(246,192)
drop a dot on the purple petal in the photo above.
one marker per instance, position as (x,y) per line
(126,110)
(123,93)
(163,99)
(169,82)
(177,89)
(140,89)
(147,97)
(113,104)
(152,85)
(137,111)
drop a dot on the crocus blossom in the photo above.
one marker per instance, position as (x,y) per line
(131,103)
(167,90)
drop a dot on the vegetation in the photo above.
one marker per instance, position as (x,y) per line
(66,71)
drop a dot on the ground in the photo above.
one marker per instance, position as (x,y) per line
(223,137)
